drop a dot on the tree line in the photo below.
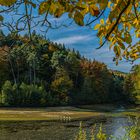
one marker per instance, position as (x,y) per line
(43,73)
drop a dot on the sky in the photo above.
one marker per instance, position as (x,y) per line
(84,40)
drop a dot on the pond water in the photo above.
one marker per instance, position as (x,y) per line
(42,130)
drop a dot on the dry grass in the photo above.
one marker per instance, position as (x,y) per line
(63,113)
(57,113)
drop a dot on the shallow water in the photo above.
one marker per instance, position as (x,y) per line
(43,130)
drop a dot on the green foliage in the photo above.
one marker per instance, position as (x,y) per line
(7,93)
(62,86)
(65,76)
(132,84)
(81,134)
(132,133)
(23,95)
(99,135)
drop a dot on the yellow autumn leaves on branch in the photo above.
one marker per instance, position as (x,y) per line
(120,26)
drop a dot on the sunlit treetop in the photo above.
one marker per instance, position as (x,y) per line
(119,27)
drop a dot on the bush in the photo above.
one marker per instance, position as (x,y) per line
(8,93)
(23,95)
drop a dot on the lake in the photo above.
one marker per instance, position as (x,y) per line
(114,123)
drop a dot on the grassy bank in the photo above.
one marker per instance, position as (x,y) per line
(47,114)
(63,113)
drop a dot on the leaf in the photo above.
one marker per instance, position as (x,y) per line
(96,12)
(128,38)
(78,18)
(138,35)
(102,21)
(70,14)
(53,8)
(122,46)
(97,26)
(111,15)
(91,10)
(7,2)
(102,3)
(80,6)
(31,3)
(109,4)
(1,18)
(58,13)
(117,50)
(44,7)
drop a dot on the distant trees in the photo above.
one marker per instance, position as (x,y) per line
(132,84)
(43,73)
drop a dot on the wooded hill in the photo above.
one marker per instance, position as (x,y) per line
(43,73)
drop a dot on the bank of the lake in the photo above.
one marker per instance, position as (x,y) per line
(66,113)
(62,123)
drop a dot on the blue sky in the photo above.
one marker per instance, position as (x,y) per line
(84,40)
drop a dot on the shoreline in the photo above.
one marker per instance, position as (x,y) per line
(67,113)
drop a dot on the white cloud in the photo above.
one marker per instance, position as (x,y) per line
(74,39)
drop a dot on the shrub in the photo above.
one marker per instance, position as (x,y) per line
(23,95)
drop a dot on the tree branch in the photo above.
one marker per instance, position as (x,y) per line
(96,18)
(116,23)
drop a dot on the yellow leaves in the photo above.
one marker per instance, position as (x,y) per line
(113,41)
(109,4)
(81,6)
(58,10)
(122,46)
(138,35)
(102,21)
(136,22)
(128,25)
(44,7)
(78,18)
(137,32)
(97,26)
(7,2)
(102,3)
(128,10)
(85,11)
(54,8)
(134,56)
(93,9)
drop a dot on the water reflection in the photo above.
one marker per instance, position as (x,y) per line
(60,130)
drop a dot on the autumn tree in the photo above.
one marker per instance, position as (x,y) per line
(118,29)
(132,84)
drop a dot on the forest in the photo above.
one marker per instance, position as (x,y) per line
(44,73)
(53,91)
